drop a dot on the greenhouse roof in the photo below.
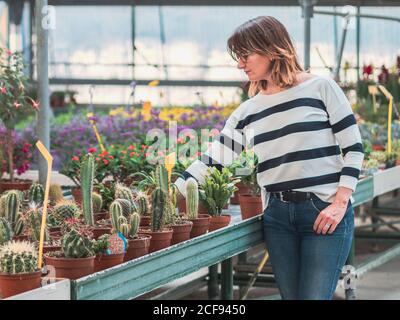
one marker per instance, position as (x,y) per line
(225,2)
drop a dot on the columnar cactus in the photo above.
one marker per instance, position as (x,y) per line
(87,178)
(36,194)
(19,226)
(3,205)
(97,202)
(55,193)
(12,206)
(192,198)
(65,210)
(162,178)
(142,204)
(123,226)
(18,257)
(5,231)
(158,208)
(77,243)
(134,223)
(122,192)
(116,211)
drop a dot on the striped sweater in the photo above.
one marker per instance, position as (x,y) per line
(306,139)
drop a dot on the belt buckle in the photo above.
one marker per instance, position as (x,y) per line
(281,197)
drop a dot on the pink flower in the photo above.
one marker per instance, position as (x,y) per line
(17,105)
(105,161)
(75,158)
(131,147)
(92,150)
(3,90)
(131,154)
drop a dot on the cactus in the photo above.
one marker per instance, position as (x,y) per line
(36,194)
(33,224)
(12,206)
(134,223)
(97,202)
(123,227)
(87,178)
(158,208)
(18,257)
(19,226)
(109,244)
(3,205)
(116,211)
(5,231)
(55,193)
(142,204)
(122,192)
(65,210)
(162,178)
(77,243)
(127,208)
(192,198)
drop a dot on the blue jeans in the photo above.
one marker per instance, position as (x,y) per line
(307,265)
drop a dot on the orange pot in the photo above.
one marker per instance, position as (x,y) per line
(219,222)
(250,206)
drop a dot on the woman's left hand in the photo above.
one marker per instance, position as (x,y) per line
(329,218)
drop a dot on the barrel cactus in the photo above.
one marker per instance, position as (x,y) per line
(158,208)
(65,210)
(122,192)
(33,224)
(18,257)
(77,243)
(192,198)
(88,168)
(97,202)
(127,207)
(5,231)
(36,194)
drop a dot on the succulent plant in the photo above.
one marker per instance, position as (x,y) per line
(64,210)
(77,243)
(134,223)
(158,209)
(192,198)
(116,212)
(55,193)
(12,206)
(88,169)
(5,231)
(18,257)
(33,223)
(122,192)
(97,202)
(142,204)
(110,244)
(127,207)
(3,198)
(36,194)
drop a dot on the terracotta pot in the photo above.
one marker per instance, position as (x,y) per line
(398,162)
(71,268)
(378,147)
(200,225)
(159,239)
(105,261)
(145,221)
(181,204)
(21,185)
(219,222)
(77,194)
(242,189)
(181,231)
(51,249)
(104,214)
(137,247)
(250,206)
(100,230)
(12,284)
(22,237)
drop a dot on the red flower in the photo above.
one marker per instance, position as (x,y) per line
(3,90)
(131,147)
(75,158)
(131,154)
(144,146)
(110,157)
(97,159)
(92,150)
(104,153)
(17,105)
(147,154)
(105,162)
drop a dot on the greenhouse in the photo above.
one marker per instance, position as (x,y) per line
(199,150)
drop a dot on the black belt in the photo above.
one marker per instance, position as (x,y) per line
(293,196)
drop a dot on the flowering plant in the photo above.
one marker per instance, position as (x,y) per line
(14,100)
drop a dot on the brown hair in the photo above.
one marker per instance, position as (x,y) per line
(266,36)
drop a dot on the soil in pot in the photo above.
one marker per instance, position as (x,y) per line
(105,261)
(12,284)
(200,225)
(219,222)
(181,231)
(250,206)
(71,268)
(137,247)
(159,239)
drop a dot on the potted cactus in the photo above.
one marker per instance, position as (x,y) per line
(160,235)
(110,251)
(19,270)
(201,222)
(138,245)
(76,258)
(10,208)
(143,208)
(5,231)
(215,193)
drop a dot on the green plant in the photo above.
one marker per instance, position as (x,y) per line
(116,211)
(5,231)
(192,198)
(18,257)
(87,177)
(55,193)
(122,192)
(33,222)
(217,189)
(158,208)
(65,210)
(97,202)
(245,169)
(12,206)
(142,204)
(134,223)
(3,198)
(127,207)
(36,194)
(107,192)
(15,104)
(77,243)
(367,147)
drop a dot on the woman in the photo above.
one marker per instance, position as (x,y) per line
(310,153)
